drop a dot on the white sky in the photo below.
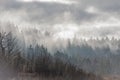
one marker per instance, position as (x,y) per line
(51,1)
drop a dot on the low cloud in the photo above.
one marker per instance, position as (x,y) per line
(90,18)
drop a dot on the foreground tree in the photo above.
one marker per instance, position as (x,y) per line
(9,54)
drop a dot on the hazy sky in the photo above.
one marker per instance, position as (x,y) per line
(63,18)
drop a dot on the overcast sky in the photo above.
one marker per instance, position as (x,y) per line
(63,18)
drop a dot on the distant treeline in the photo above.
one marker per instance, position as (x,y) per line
(99,56)
(37,60)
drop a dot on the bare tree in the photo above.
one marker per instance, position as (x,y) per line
(9,53)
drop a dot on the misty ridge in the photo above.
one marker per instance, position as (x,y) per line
(74,59)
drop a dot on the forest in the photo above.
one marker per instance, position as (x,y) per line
(77,59)
(38,62)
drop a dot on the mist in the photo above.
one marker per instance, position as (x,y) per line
(79,36)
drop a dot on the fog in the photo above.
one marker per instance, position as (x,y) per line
(79,19)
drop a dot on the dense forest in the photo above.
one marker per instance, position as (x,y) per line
(37,61)
(76,59)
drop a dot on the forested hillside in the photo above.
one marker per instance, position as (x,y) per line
(37,61)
